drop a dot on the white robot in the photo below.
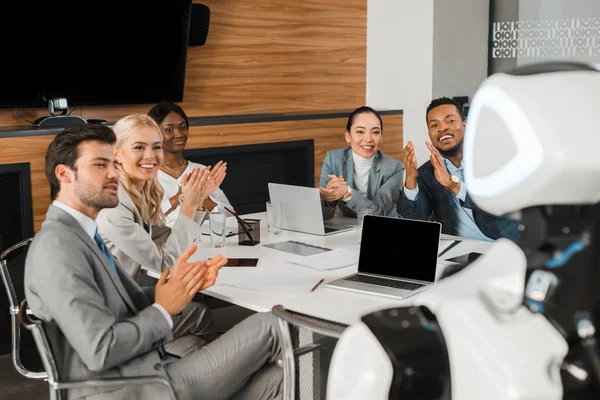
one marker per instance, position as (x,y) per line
(519,322)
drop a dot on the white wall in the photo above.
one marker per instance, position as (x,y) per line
(399,63)
(418,50)
(460,46)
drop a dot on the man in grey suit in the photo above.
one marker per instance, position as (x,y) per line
(101,323)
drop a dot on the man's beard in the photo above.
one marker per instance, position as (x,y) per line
(93,198)
(452,151)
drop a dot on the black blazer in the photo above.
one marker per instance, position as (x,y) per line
(436,203)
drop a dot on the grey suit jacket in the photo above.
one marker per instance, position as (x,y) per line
(136,245)
(385,181)
(98,325)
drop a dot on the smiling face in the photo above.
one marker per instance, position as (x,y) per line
(446,129)
(365,134)
(140,154)
(175,133)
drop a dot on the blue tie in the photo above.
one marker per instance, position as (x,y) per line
(106,252)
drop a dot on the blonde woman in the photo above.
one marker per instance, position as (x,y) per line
(134,231)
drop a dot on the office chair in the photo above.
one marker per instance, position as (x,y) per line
(307,343)
(56,385)
(11,275)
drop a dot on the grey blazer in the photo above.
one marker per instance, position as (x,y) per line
(136,245)
(385,181)
(98,325)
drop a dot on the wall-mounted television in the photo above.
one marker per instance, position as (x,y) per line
(94,53)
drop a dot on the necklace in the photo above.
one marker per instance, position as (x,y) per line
(175,171)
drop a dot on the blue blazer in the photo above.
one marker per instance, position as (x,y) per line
(436,203)
(385,180)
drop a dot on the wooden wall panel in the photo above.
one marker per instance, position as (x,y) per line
(264,56)
(327,134)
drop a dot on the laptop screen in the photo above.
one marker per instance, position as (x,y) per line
(400,248)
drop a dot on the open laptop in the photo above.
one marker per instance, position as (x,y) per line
(398,257)
(302,210)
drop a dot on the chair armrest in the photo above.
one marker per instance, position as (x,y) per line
(131,380)
(280,312)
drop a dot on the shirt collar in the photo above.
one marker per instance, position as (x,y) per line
(451,167)
(88,224)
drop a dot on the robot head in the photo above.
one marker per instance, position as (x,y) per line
(532,139)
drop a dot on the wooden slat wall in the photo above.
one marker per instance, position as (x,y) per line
(327,133)
(261,56)
(264,56)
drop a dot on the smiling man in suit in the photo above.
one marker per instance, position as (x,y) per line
(101,323)
(437,190)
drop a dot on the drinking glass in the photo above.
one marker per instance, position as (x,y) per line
(360,216)
(274,215)
(218,230)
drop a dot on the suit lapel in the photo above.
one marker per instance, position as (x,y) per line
(349,168)
(64,217)
(374,175)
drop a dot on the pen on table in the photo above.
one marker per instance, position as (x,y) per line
(317,285)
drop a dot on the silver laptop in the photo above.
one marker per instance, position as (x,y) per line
(398,257)
(302,210)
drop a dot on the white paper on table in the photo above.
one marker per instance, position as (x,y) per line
(444,244)
(336,258)
(275,284)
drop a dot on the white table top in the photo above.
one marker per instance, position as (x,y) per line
(328,303)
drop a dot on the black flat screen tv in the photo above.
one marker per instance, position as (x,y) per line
(94,53)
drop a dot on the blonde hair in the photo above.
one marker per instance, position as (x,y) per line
(148,202)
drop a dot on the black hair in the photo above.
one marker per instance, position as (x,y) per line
(161,109)
(362,110)
(64,149)
(443,101)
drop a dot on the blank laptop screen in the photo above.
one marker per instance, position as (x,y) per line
(401,248)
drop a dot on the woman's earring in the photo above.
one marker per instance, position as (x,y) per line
(348,144)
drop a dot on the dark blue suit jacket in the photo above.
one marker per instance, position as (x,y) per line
(436,203)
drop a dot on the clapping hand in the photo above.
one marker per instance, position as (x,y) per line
(336,188)
(194,188)
(439,167)
(215,177)
(175,292)
(213,266)
(409,159)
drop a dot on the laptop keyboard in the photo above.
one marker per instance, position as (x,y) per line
(385,282)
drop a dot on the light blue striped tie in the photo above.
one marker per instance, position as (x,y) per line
(106,252)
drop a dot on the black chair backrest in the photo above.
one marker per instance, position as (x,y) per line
(41,342)
(13,275)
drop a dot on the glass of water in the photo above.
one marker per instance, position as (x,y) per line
(274,215)
(360,216)
(218,229)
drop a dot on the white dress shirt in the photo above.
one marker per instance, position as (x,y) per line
(90,227)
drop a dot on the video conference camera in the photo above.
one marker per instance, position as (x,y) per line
(55,119)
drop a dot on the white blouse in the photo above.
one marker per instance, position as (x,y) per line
(171,186)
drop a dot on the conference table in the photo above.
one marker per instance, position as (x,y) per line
(279,280)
